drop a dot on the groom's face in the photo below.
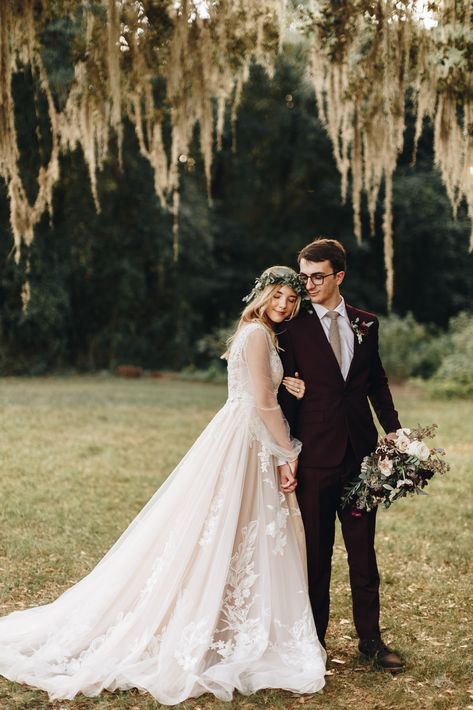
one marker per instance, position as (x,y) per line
(325,289)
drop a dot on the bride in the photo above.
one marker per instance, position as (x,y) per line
(206,589)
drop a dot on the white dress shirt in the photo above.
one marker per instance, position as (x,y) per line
(347,336)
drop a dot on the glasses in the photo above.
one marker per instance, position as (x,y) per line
(316,279)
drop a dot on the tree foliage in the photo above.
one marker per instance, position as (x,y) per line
(105,288)
(366,59)
(162,67)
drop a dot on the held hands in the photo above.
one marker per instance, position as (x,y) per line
(295,385)
(287,476)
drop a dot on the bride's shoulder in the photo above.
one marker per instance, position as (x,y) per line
(253,331)
(256,329)
(253,326)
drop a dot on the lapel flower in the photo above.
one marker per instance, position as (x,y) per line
(360,328)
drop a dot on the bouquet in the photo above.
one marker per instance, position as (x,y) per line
(396,468)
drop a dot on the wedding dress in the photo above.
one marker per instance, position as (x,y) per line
(206,589)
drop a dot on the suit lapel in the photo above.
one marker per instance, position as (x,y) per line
(351,313)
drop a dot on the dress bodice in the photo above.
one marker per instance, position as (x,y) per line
(240,386)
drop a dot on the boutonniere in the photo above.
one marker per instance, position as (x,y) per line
(360,328)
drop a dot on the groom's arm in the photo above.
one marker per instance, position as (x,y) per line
(287,401)
(379,392)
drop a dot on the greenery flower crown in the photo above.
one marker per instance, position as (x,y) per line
(271,279)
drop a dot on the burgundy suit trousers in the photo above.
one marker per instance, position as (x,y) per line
(318,493)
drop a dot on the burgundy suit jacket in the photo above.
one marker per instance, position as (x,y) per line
(333,411)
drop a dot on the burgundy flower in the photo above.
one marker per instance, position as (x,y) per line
(356,512)
(425,473)
(360,328)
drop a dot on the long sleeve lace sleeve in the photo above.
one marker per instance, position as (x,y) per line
(278,440)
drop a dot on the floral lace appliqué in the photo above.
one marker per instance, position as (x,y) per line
(239,632)
(277,527)
(211,523)
(270,482)
(72,664)
(264,459)
(195,637)
(302,649)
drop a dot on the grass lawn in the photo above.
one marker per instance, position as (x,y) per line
(80,456)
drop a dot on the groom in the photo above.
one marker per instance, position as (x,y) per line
(334,348)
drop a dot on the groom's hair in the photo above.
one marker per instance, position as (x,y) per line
(322,249)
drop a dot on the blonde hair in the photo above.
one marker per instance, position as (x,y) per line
(255,310)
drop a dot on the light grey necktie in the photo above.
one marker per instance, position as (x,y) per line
(334,336)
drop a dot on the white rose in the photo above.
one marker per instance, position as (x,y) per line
(404,430)
(402,442)
(385,466)
(419,450)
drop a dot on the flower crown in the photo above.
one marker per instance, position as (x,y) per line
(271,279)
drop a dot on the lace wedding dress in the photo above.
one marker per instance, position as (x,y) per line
(206,590)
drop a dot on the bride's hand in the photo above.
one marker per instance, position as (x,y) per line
(287,480)
(295,385)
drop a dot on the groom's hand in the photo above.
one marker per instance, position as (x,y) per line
(391,436)
(286,478)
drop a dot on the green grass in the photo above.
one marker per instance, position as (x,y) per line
(80,456)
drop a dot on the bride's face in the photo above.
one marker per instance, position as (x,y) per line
(282,304)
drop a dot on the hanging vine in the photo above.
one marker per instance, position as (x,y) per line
(202,51)
(364,59)
(194,55)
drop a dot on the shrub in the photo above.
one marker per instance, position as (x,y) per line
(211,347)
(454,378)
(410,349)
(214,374)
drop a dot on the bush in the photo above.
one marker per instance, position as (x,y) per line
(214,374)
(454,378)
(410,349)
(208,365)
(211,347)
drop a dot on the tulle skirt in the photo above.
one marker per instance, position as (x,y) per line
(205,591)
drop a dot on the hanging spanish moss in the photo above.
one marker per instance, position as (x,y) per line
(201,51)
(167,65)
(365,57)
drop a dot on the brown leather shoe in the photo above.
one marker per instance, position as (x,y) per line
(377,651)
